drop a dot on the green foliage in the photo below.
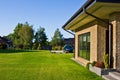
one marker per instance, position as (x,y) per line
(20,46)
(34,47)
(88,65)
(106,61)
(93,63)
(39,47)
(57,39)
(16,36)
(22,35)
(3,45)
(26,33)
(40,38)
(57,48)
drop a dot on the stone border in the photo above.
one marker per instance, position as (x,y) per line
(57,51)
(98,71)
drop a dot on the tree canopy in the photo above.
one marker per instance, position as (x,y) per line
(40,37)
(57,39)
(22,35)
(25,37)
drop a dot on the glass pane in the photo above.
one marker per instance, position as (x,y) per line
(84,46)
(84,38)
(88,38)
(84,54)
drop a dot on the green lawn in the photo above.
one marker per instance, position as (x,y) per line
(42,65)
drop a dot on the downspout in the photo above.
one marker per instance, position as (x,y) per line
(110,45)
(74,38)
(110,36)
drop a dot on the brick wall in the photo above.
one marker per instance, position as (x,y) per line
(118,44)
(115,20)
(97,41)
(101,48)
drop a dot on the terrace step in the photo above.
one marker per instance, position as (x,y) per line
(116,75)
(108,77)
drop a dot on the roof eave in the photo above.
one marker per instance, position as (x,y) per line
(87,5)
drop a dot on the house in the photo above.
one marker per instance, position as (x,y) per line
(69,41)
(97,31)
(6,42)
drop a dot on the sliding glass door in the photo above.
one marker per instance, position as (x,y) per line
(84,46)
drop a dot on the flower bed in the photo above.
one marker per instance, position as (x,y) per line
(98,71)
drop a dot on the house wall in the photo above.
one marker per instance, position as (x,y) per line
(97,31)
(115,20)
(101,40)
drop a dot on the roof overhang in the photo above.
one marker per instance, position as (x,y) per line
(99,8)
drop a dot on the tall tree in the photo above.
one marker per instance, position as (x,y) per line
(57,39)
(26,34)
(23,35)
(15,36)
(40,37)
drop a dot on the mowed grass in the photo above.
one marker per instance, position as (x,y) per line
(42,65)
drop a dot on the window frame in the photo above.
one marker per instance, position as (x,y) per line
(84,46)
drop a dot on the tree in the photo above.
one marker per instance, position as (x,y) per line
(26,34)
(11,36)
(22,35)
(15,36)
(40,37)
(57,39)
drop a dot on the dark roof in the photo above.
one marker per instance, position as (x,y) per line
(86,5)
(3,39)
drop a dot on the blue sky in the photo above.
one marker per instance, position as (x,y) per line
(50,14)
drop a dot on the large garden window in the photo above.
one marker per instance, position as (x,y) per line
(84,46)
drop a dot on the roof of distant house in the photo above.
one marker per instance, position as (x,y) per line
(2,39)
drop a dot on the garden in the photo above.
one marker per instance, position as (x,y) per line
(41,65)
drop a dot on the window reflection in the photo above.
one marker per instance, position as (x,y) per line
(84,46)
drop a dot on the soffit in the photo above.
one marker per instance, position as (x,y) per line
(99,9)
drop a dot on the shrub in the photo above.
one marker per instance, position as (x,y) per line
(34,46)
(57,48)
(106,61)
(93,63)
(3,45)
(39,47)
(100,64)
(53,48)
(88,64)
(26,47)
(20,46)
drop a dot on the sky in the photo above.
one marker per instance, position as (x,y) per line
(50,14)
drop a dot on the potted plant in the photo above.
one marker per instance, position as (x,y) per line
(101,68)
(106,60)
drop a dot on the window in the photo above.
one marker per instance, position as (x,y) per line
(84,46)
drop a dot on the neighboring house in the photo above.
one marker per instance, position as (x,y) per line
(97,31)
(69,41)
(6,41)
(47,47)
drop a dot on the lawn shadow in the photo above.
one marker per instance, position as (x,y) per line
(16,51)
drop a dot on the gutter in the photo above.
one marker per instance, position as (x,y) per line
(88,3)
(69,32)
(110,36)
